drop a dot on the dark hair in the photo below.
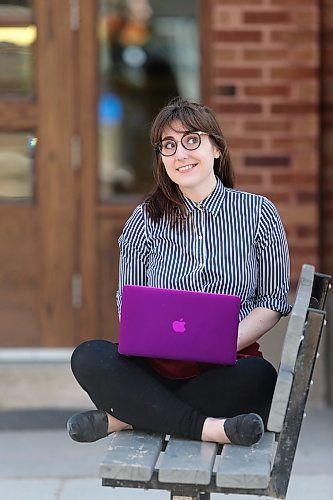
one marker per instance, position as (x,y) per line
(166,198)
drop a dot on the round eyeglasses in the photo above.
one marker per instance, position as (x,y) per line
(190,141)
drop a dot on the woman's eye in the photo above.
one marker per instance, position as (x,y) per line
(169,145)
(192,139)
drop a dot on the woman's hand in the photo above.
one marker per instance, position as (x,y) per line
(255,325)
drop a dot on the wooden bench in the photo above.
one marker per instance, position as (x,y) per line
(193,469)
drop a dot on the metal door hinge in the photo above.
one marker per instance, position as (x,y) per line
(75,14)
(76,152)
(77,291)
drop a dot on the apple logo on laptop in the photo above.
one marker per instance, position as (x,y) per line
(179,326)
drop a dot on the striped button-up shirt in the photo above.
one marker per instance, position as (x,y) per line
(231,243)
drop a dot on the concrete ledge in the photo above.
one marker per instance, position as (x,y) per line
(35,355)
(40,385)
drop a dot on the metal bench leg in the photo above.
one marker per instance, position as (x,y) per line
(199,496)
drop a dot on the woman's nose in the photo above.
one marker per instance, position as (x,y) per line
(181,152)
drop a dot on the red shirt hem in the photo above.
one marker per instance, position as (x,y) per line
(188,369)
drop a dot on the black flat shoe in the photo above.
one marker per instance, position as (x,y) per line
(88,426)
(244,429)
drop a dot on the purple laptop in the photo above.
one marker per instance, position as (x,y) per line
(179,325)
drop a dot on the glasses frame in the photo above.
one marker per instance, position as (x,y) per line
(158,145)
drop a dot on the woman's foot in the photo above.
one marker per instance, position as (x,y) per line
(245,429)
(92,425)
(88,426)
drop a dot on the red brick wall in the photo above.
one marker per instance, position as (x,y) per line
(327,138)
(262,79)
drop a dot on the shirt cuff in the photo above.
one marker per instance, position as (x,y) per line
(278,305)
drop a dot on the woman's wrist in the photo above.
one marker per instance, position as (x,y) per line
(255,325)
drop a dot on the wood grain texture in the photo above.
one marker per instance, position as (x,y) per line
(132,455)
(55,183)
(187,462)
(246,466)
(85,81)
(18,114)
(19,276)
(110,223)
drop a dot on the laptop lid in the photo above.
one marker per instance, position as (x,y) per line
(179,325)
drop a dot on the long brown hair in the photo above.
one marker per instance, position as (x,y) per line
(166,198)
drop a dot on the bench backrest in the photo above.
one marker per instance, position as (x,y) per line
(311,292)
(290,349)
(293,385)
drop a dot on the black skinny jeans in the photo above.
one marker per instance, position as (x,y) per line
(129,389)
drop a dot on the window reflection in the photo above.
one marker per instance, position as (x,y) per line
(15,11)
(148,53)
(17,151)
(17,36)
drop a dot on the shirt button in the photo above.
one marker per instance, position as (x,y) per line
(200,237)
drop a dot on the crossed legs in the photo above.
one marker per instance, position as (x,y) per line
(134,395)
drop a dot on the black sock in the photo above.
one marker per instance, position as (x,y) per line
(244,429)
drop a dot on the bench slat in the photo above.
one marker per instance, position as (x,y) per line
(297,318)
(187,462)
(131,455)
(280,401)
(246,466)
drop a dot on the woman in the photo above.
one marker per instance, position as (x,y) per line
(193,232)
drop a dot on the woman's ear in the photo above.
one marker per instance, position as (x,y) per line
(217,153)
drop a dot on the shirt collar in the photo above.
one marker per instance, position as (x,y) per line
(210,204)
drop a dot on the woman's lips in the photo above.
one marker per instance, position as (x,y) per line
(186,168)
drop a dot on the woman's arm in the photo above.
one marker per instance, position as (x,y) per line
(273,264)
(133,254)
(255,325)
(273,268)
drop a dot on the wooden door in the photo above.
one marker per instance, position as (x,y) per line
(38,177)
(85,169)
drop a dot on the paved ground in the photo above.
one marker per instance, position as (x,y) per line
(47,465)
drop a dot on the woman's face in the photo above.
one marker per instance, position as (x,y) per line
(191,170)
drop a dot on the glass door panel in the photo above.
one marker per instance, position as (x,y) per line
(17,151)
(17,38)
(17,101)
(148,53)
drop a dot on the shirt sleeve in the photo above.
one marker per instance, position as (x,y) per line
(133,253)
(273,261)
